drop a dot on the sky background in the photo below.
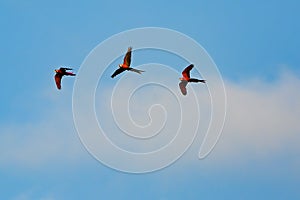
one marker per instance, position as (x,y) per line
(254,45)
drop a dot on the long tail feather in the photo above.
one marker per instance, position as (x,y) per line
(196,80)
(137,70)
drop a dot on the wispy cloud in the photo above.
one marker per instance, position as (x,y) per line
(47,140)
(32,194)
(262,121)
(263,117)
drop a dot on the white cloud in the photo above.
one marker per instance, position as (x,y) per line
(47,140)
(263,118)
(262,121)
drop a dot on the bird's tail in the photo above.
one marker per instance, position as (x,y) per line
(196,80)
(136,70)
(67,68)
(70,74)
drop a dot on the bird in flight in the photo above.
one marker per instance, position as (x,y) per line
(186,79)
(60,73)
(126,65)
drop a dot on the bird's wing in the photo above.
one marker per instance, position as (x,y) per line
(118,71)
(182,86)
(127,58)
(57,78)
(186,71)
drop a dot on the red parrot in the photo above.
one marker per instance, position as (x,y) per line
(126,65)
(186,79)
(60,73)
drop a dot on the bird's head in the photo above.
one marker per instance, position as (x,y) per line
(56,70)
(182,79)
(120,65)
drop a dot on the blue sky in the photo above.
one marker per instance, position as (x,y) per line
(255,46)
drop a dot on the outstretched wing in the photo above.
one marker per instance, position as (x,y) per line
(118,71)
(57,78)
(182,86)
(127,58)
(186,71)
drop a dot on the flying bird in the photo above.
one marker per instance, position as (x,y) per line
(186,79)
(126,65)
(60,73)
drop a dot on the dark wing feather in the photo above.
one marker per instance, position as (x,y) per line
(57,78)
(127,58)
(182,86)
(186,71)
(118,71)
(62,70)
